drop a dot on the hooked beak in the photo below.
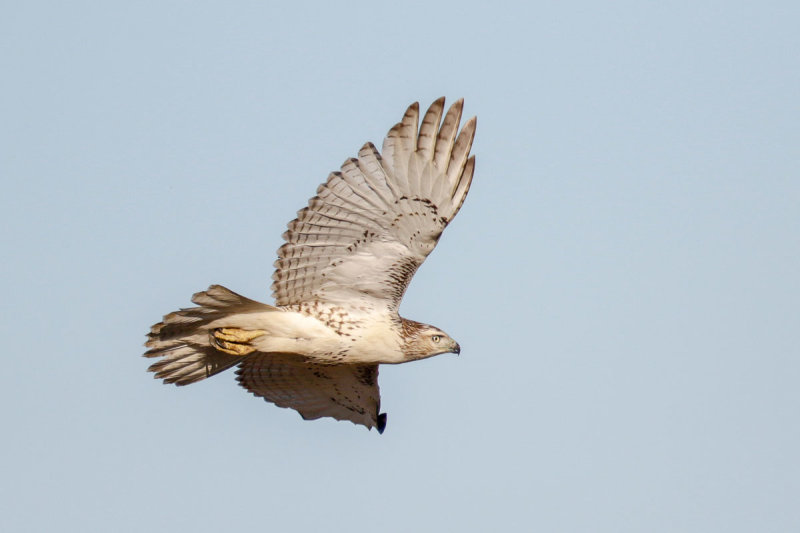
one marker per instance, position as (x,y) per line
(457,349)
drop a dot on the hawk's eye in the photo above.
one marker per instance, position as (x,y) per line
(436,338)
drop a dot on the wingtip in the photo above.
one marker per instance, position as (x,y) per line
(381,423)
(470,126)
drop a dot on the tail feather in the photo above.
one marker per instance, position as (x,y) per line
(182,340)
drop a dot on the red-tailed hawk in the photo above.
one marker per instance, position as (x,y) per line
(339,279)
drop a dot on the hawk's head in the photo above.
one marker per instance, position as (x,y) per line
(421,341)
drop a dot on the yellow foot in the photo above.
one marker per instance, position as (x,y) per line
(234,341)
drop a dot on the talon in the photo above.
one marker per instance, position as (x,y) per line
(237,334)
(234,349)
(234,341)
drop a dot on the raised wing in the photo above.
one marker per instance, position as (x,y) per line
(344,392)
(371,225)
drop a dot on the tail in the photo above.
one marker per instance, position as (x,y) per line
(188,341)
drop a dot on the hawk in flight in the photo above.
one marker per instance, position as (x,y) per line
(338,282)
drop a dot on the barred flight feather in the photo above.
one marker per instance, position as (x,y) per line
(407,194)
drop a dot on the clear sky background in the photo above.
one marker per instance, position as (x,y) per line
(623,277)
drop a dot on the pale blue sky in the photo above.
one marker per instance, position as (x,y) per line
(623,278)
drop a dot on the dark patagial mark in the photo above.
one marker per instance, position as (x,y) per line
(399,275)
(366,374)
